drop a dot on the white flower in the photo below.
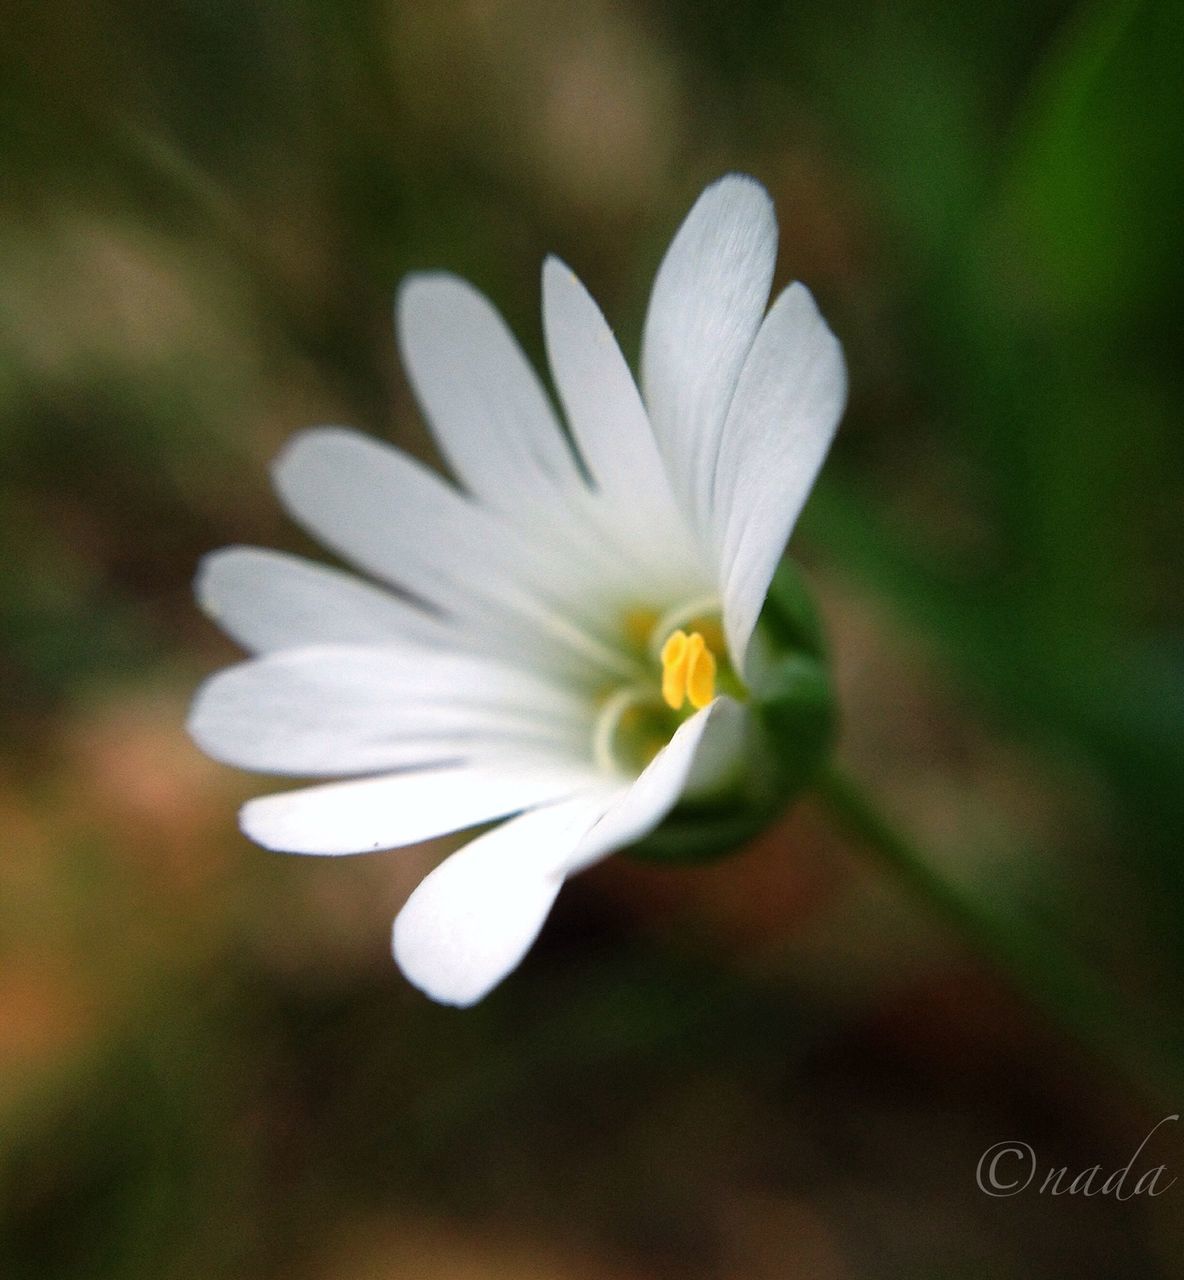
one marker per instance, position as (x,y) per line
(569,629)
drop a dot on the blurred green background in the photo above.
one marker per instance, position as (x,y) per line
(771,1067)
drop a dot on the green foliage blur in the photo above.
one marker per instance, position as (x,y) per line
(208,1065)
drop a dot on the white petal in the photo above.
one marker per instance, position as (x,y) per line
(369,814)
(610,426)
(495,425)
(708,298)
(395,518)
(787,404)
(389,514)
(643,805)
(484,402)
(473,919)
(719,762)
(268,600)
(335,709)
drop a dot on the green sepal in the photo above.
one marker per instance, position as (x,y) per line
(789,735)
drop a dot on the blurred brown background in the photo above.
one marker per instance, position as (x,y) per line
(774,1066)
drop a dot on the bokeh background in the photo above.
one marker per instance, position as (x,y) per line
(775,1066)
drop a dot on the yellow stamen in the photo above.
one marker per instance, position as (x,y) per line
(712,633)
(674,669)
(700,673)
(688,670)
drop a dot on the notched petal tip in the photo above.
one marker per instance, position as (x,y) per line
(736,181)
(812,333)
(740,199)
(206,710)
(801,296)
(421,289)
(473,919)
(253,822)
(562,290)
(787,405)
(265,822)
(216,569)
(570,311)
(268,822)
(195,719)
(303,447)
(447,988)
(556,272)
(706,306)
(206,576)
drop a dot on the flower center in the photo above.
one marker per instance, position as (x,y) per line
(685,656)
(688,670)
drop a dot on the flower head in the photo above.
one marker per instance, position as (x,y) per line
(562,642)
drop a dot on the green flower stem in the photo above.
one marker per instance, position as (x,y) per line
(1036,962)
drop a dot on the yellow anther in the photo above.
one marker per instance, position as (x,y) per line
(674,669)
(700,672)
(712,633)
(688,670)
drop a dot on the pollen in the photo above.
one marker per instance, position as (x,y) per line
(688,670)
